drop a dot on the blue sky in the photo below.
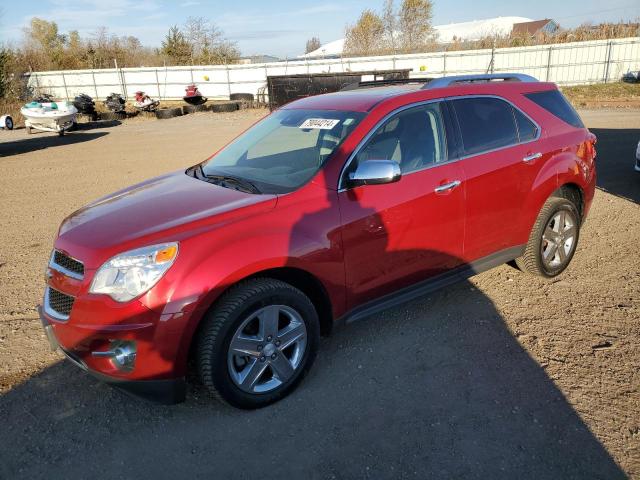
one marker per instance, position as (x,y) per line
(279,28)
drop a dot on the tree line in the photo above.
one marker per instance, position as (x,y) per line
(407,28)
(44,47)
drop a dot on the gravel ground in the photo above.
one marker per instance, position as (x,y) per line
(501,376)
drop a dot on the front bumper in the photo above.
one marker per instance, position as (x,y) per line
(164,390)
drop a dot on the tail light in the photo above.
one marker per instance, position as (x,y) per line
(590,146)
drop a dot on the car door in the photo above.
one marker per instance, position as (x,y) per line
(499,164)
(399,233)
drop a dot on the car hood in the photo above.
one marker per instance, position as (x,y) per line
(152,207)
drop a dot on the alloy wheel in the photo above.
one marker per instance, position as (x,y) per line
(267,349)
(558,239)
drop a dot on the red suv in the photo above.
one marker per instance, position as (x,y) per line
(329,209)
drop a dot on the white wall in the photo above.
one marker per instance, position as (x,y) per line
(567,64)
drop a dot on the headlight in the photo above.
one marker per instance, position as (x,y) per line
(133,273)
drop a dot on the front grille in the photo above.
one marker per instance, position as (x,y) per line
(68,263)
(60,303)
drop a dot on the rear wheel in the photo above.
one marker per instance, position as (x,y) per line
(257,343)
(553,239)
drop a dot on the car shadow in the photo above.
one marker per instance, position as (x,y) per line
(46,140)
(436,388)
(616,150)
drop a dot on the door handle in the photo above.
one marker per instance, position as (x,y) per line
(531,157)
(447,186)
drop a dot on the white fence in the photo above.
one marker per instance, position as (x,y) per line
(564,63)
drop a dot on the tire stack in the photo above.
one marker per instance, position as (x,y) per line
(186,109)
(164,113)
(245,100)
(230,106)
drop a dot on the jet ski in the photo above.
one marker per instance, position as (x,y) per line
(193,95)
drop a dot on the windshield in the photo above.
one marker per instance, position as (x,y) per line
(283,151)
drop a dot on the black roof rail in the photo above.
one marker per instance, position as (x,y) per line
(488,77)
(380,83)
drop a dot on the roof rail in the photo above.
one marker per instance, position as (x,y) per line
(506,77)
(380,83)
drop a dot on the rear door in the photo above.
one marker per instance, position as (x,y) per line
(399,233)
(500,162)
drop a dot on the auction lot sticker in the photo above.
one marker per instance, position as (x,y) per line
(321,123)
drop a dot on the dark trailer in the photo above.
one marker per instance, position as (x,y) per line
(287,88)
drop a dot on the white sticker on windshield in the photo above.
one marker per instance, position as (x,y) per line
(321,123)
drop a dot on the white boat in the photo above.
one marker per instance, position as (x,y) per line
(49,117)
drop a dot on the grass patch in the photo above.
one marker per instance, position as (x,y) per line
(616,93)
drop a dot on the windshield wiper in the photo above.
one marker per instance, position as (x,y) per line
(229,181)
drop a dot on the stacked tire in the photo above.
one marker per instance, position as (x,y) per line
(113,115)
(245,100)
(164,113)
(230,106)
(186,109)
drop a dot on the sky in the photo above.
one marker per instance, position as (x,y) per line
(279,28)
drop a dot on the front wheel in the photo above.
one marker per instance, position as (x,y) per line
(553,239)
(257,343)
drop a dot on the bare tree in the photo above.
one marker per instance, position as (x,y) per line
(390,21)
(415,24)
(312,44)
(207,42)
(366,36)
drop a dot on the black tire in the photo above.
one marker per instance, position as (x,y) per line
(224,107)
(61,133)
(85,118)
(113,115)
(221,323)
(246,97)
(186,109)
(8,123)
(165,113)
(532,260)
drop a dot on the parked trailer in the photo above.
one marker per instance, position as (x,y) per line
(287,88)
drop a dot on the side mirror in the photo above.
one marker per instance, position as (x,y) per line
(375,172)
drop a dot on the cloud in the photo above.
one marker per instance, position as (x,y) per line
(189,4)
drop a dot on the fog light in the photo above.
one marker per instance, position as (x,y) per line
(122,354)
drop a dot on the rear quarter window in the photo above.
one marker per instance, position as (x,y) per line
(555,103)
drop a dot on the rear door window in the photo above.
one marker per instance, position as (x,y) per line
(486,123)
(554,102)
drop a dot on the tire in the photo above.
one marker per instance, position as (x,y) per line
(86,117)
(113,115)
(548,253)
(224,107)
(8,123)
(165,113)
(245,97)
(186,109)
(217,365)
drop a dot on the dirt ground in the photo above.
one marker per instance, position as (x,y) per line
(501,376)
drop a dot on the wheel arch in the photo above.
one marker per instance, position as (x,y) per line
(573,192)
(302,279)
